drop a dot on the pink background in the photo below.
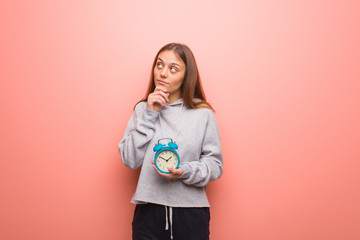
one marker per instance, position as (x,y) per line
(284,79)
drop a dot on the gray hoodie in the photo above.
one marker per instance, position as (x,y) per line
(199,150)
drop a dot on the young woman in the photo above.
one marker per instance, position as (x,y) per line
(173,136)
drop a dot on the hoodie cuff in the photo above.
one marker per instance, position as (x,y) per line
(150,115)
(186,171)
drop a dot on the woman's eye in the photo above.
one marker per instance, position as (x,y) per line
(173,69)
(159,65)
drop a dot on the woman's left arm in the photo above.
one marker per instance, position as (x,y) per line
(210,165)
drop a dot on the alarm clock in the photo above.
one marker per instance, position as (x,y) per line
(166,156)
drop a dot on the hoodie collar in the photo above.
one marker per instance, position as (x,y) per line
(177,102)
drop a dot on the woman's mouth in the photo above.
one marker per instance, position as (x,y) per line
(161,82)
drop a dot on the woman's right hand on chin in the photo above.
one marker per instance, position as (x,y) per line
(157,99)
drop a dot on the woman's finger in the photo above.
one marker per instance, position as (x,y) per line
(158,99)
(160,88)
(159,96)
(162,91)
(164,95)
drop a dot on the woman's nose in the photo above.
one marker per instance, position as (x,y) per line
(163,73)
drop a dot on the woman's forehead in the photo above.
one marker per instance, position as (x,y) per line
(170,57)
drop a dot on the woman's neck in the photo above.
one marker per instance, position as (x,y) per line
(174,97)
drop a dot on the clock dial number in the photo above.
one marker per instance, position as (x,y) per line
(166,159)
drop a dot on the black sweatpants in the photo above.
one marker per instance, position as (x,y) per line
(150,221)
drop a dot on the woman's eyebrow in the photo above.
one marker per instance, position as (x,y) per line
(176,64)
(171,63)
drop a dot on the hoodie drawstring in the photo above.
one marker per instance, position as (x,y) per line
(167,224)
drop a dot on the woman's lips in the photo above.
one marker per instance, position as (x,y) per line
(161,82)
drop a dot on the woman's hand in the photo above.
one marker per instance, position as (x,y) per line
(174,173)
(157,99)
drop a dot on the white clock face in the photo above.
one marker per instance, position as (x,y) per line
(166,159)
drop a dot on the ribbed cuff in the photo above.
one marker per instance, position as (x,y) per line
(186,171)
(150,115)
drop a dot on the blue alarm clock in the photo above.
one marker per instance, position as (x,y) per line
(166,156)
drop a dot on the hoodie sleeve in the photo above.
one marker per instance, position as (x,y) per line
(138,134)
(210,165)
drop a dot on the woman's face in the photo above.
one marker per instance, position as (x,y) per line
(169,72)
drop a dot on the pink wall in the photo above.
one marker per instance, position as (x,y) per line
(282,75)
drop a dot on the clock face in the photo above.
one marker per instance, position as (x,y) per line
(166,159)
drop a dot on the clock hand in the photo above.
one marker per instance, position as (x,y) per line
(168,158)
